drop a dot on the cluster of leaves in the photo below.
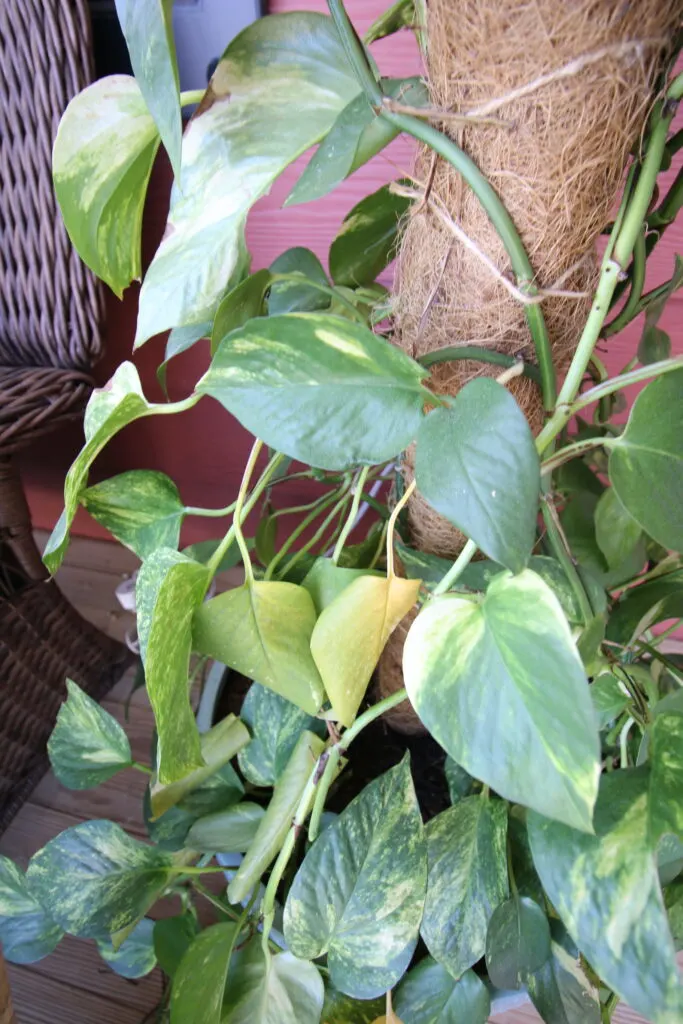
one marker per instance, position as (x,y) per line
(537,668)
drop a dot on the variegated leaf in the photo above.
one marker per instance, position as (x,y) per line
(227,831)
(368,238)
(199,979)
(665,805)
(27,931)
(141,508)
(135,957)
(275,725)
(430,995)
(267,989)
(517,941)
(87,745)
(561,992)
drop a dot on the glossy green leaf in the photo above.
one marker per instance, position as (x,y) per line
(169,589)
(263,630)
(521,861)
(609,697)
(229,831)
(135,957)
(616,532)
(169,831)
(358,134)
(94,880)
(27,932)
(266,989)
(325,581)
(477,465)
(265,538)
(400,14)
(215,780)
(109,409)
(141,508)
(429,995)
(242,303)
(101,162)
(275,725)
(278,818)
(467,880)
(172,938)
(351,633)
(298,296)
(606,891)
(646,461)
(87,745)
(517,942)
(654,344)
(367,915)
(200,977)
(368,238)
(665,805)
(646,605)
(341,1009)
(561,992)
(180,340)
(321,389)
(512,652)
(460,783)
(148,31)
(276,91)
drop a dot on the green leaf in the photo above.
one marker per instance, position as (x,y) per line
(511,651)
(266,989)
(606,891)
(655,309)
(94,880)
(263,630)
(135,957)
(351,633)
(240,305)
(561,992)
(609,697)
(646,461)
(169,589)
(265,538)
(669,859)
(673,897)
(521,862)
(665,805)
(298,296)
(101,162)
(477,465)
(202,551)
(368,238)
(319,388)
(655,344)
(517,942)
(646,605)
(27,932)
(341,1009)
(615,531)
(460,784)
(367,915)
(172,939)
(429,995)
(109,409)
(229,831)
(325,581)
(200,977)
(87,745)
(467,880)
(180,340)
(169,831)
(358,134)
(275,725)
(401,14)
(278,817)
(148,31)
(277,90)
(141,508)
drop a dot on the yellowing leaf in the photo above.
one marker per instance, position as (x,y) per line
(351,633)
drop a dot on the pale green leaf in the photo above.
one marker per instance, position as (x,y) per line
(351,633)
(467,880)
(229,831)
(561,992)
(616,532)
(665,805)
(241,304)
(477,465)
(263,630)
(609,697)
(141,508)
(319,388)
(266,989)
(606,891)
(276,91)
(367,915)
(27,932)
(135,957)
(499,684)
(94,880)
(169,589)
(275,725)
(298,296)
(87,745)
(368,238)
(429,995)
(517,942)
(199,980)
(172,938)
(101,162)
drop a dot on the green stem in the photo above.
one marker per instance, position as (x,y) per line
(327,289)
(625,380)
(631,309)
(572,451)
(608,1008)
(563,556)
(391,526)
(239,506)
(457,569)
(320,532)
(191,96)
(324,503)
(171,408)
(353,512)
(478,354)
(141,768)
(212,513)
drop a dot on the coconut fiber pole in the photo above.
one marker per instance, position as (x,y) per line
(553,96)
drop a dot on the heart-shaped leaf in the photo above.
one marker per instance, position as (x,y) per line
(135,957)
(606,891)
(298,296)
(199,980)
(646,461)
(87,745)
(517,942)
(646,605)
(229,831)
(429,995)
(665,805)
(511,651)
(477,465)
(616,532)
(467,880)
(319,388)
(101,162)
(368,238)
(172,939)
(266,989)
(351,633)
(367,915)
(263,630)
(561,992)
(325,581)
(141,508)
(276,91)
(609,697)
(275,725)
(27,931)
(242,303)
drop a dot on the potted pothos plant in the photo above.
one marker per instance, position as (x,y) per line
(549,861)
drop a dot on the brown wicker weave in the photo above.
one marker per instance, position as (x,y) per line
(6,1012)
(51,312)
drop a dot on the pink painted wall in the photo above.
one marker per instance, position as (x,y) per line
(204,450)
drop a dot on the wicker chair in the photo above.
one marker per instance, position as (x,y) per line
(51,312)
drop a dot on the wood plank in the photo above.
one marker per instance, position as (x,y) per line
(42,1000)
(119,799)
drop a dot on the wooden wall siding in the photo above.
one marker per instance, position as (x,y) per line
(204,450)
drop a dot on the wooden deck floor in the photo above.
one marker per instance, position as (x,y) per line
(73,985)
